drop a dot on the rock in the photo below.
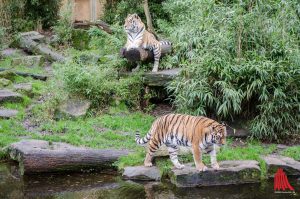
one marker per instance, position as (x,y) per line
(281,146)
(74,108)
(35,36)
(24,87)
(29,61)
(9,96)
(230,172)
(12,52)
(7,74)
(7,113)
(289,165)
(142,173)
(4,82)
(163,151)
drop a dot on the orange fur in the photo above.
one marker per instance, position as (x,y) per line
(200,133)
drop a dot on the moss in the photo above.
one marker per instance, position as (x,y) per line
(80,39)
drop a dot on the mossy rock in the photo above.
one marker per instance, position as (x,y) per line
(80,39)
(4,82)
(7,74)
(230,172)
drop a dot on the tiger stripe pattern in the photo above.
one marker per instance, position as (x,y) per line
(138,36)
(202,134)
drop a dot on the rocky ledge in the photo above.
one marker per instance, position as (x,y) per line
(230,172)
(289,165)
(142,173)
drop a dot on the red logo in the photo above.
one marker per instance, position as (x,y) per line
(281,182)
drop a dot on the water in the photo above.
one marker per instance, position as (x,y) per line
(110,185)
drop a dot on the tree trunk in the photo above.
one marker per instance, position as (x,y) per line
(148,16)
(36,156)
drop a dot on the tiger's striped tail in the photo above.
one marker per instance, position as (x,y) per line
(165,43)
(143,140)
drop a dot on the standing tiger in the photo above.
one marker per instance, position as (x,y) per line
(200,133)
(138,36)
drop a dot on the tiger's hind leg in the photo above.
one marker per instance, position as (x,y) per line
(157,55)
(173,150)
(152,147)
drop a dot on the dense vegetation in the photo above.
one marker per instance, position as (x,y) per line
(239,59)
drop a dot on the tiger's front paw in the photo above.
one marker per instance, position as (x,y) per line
(179,166)
(215,166)
(201,168)
(155,70)
(148,164)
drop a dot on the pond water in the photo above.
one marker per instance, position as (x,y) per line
(110,185)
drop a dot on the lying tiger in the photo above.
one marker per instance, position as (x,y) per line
(138,36)
(200,133)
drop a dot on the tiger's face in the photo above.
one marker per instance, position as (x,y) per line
(219,134)
(133,23)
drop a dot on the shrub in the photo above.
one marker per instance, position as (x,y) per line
(239,59)
(94,73)
(64,26)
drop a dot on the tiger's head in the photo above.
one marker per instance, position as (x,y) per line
(219,134)
(133,23)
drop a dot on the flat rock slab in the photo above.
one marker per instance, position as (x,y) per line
(9,96)
(29,61)
(74,108)
(23,87)
(142,173)
(160,78)
(230,172)
(289,165)
(12,52)
(7,113)
(37,156)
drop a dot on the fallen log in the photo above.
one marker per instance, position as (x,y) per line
(141,54)
(37,156)
(86,25)
(28,43)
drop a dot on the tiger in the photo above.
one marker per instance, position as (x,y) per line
(198,132)
(138,36)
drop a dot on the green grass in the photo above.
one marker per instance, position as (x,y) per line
(293,152)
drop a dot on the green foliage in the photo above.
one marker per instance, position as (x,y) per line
(293,152)
(26,15)
(117,10)
(3,38)
(239,59)
(64,26)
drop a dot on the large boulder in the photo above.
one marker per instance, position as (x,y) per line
(230,172)
(73,108)
(289,165)
(142,173)
(9,96)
